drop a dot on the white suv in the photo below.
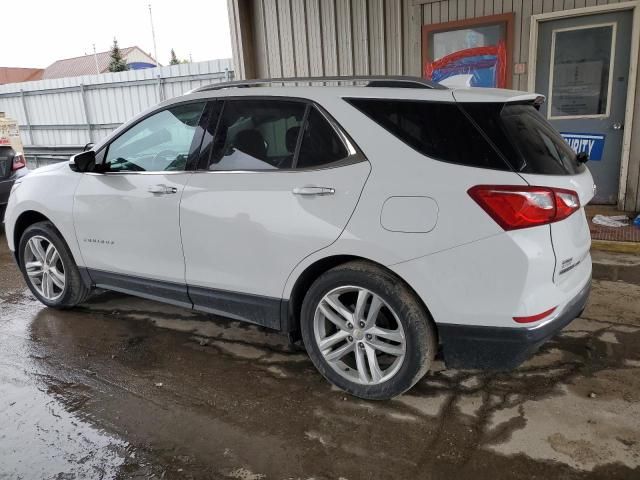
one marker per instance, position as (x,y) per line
(380,223)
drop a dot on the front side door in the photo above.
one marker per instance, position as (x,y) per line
(583,69)
(127,219)
(280,183)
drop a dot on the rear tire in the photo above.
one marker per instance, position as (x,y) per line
(367,332)
(49,269)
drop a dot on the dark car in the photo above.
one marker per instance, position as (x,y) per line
(12,166)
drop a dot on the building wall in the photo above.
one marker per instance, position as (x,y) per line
(367,37)
(297,38)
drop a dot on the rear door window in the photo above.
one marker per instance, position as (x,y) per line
(257,134)
(440,131)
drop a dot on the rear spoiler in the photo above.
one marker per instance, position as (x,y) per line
(534,98)
(494,95)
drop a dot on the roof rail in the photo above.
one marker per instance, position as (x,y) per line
(372,81)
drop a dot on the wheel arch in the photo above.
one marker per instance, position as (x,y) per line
(291,312)
(24,221)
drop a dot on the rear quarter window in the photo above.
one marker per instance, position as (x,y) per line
(439,130)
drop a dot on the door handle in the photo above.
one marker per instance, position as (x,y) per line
(162,189)
(617,126)
(308,191)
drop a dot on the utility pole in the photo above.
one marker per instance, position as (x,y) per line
(153,34)
(95,57)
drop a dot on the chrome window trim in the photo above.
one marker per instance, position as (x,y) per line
(170,172)
(345,162)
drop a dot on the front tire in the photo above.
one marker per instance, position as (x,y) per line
(367,332)
(48,267)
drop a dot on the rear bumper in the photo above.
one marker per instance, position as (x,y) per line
(503,348)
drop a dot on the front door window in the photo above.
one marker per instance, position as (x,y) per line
(160,143)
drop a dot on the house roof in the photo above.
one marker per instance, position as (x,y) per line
(15,75)
(84,65)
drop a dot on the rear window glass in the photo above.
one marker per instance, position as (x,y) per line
(438,130)
(525,138)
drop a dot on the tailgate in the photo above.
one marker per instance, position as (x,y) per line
(570,237)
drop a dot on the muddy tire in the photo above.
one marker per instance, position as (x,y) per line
(49,268)
(367,332)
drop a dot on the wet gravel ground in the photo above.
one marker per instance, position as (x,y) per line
(127,388)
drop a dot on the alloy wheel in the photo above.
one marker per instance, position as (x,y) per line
(359,335)
(44,268)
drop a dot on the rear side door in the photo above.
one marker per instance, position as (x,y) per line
(279,181)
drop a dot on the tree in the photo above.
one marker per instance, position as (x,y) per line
(174,60)
(117,63)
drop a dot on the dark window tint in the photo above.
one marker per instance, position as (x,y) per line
(6,161)
(158,143)
(320,143)
(438,130)
(257,135)
(525,138)
(542,148)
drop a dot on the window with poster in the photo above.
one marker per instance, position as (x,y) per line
(475,52)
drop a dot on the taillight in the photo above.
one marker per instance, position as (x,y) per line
(18,162)
(567,202)
(514,207)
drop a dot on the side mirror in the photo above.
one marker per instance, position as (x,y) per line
(83,162)
(582,157)
(88,146)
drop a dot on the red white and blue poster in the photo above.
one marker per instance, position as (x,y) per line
(486,66)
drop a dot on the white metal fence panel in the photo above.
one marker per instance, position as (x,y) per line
(78,110)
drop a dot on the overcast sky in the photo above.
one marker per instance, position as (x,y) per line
(38,32)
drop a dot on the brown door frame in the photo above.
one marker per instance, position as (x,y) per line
(506,18)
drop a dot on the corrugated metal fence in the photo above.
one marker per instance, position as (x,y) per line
(70,112)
